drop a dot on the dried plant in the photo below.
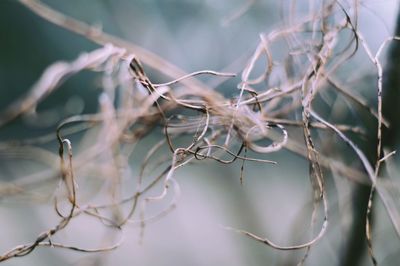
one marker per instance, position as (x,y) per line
(132,105)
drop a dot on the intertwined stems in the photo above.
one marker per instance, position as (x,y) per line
(240,121)
(116,130)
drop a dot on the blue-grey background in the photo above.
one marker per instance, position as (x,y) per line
(273,201)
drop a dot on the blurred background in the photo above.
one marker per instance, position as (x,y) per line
(273,201)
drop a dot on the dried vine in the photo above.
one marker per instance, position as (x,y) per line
(220,129)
